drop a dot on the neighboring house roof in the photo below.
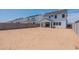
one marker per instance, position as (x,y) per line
(35,15)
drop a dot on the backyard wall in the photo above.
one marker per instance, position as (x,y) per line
(7,26)
(75,27)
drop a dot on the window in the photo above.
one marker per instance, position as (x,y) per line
(33,22)
(54,23)
(49,16)
(63,15)
(59,23)
(55,16)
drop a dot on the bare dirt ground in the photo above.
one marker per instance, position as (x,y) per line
(38,38)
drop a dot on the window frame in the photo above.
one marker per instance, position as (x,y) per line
(49,16)
(63,15)
(55,17)
(56,23)
(59,23)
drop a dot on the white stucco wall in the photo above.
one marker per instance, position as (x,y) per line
(63,24)
(60,19)
(59,16)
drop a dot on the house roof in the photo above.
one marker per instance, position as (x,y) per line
(77,21)
(44,20)
(56,12)
(35,15)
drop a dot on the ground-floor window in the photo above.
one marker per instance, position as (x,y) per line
(60,23)
(57,23)
(54,23)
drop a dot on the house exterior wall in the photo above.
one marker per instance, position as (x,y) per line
(58,19)
(62,20)
(63,24)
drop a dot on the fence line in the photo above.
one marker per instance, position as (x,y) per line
(7,26)
(75,27)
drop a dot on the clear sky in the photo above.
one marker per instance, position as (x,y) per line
(10,14)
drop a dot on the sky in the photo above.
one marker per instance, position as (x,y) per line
(10,14)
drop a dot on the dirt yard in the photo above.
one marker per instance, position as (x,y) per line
(38,38)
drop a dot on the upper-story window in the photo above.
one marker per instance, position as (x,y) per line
(49,16)
(63,15)
(55,16)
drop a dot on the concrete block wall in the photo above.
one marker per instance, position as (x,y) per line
(7,26)
(75,27)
